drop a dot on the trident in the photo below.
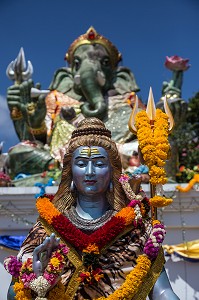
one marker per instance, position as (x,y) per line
(18,72)
(151,112)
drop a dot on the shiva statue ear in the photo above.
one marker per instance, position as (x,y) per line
(72,187)
(111,187)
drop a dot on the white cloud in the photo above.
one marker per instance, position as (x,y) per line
(7,131)
(4,110)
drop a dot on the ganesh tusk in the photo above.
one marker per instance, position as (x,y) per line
(77,79)
(101,78)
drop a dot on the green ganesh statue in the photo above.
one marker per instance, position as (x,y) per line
(93,85)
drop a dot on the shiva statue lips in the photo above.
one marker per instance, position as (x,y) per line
(90,181)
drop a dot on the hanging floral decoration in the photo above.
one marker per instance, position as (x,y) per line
(155,148)
(189,186)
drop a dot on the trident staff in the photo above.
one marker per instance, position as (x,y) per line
(26,101)
(18,72)
(152,128)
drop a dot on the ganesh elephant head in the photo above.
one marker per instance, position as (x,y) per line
(93,74)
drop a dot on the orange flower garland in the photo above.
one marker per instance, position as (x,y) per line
(154,145)
(127,214)
(44,205)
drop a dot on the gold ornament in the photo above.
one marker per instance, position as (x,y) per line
(91,37)
(38,131)
(16,114)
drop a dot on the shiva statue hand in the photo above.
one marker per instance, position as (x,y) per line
(43,252)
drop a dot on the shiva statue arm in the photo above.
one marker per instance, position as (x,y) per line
(162,289)
(11,294)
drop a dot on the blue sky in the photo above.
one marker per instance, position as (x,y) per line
(145,32)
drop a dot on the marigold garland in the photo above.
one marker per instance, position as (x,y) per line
(154,145)
(21,292)
(127,214)
(159,201)
(190,184)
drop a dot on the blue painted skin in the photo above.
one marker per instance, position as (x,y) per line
(92,172)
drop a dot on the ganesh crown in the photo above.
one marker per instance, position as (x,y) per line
(91,37)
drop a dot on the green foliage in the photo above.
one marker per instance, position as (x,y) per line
(186,137)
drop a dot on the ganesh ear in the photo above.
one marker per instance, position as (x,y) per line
(124,81)
(62,80)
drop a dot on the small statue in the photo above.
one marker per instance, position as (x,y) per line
(172,90)
(178,65)
(114,248)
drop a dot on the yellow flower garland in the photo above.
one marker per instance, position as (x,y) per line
(154,145)
(21,292)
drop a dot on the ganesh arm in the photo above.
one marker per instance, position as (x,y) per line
(162,289)
(27,113)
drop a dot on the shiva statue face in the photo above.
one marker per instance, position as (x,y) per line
(91,170)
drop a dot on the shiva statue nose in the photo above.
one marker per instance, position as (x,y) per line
(90,170)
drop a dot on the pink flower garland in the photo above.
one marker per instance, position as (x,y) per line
(157,235)
(24,272)
(155,240)
(12,265)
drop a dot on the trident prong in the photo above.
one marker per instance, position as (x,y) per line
(150,109)
(169,114)
(17,70)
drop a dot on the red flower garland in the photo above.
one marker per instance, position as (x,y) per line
(80,240)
